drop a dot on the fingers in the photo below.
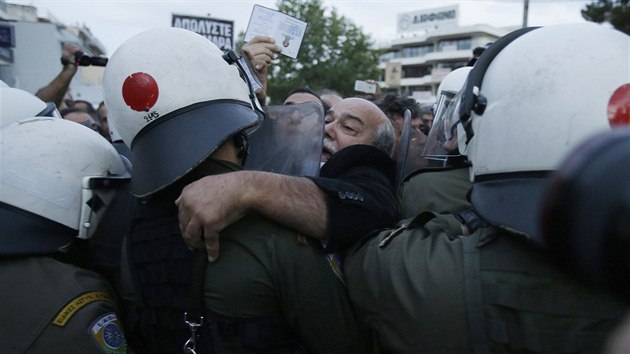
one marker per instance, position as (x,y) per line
(268,49)
(212,244)
(262,39)
(190,230)
(192,233)
(182,214)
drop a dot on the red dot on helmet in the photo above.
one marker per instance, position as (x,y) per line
(619,107)
(140,91)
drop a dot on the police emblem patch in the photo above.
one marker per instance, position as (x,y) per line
(108,335)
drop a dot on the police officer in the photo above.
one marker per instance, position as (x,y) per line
(57,182)
(17,104)
(184,114)
(443,184)
(427,288)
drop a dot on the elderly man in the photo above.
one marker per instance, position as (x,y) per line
(353,195)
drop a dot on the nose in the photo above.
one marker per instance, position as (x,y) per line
(329,130)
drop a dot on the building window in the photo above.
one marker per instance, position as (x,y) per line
(448,45)
(388,56)
(416,71)
(409,90)
(452,64)
(419,51)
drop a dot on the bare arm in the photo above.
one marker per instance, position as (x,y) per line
(56,89)
(212,203)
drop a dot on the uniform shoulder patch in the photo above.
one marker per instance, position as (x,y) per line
(76,304)
(107,334)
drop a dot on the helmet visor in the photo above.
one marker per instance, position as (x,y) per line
(50,111)
(442,139)
(97,195)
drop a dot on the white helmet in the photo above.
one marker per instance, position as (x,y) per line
(53,170)
(113,133)
(442,140)
(16,104)
(173,99)
(532,97)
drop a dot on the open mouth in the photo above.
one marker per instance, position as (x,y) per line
(325,155)
(327,150)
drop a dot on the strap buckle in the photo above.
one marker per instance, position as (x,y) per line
(190,346)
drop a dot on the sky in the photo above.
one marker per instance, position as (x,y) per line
(114,21)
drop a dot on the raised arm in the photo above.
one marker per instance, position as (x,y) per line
(56,89)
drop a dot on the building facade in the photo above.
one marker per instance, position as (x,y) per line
(30,52)
(430,45)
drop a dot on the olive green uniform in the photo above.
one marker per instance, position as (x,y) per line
(440,191)
(52,307)
(271,290)
(424,289)
(267,271)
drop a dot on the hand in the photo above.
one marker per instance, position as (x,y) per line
(206,207)
(260,53)
(377,93)
(68,49)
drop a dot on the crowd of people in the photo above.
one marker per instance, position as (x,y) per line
(493,221)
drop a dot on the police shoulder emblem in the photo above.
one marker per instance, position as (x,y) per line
(107,333)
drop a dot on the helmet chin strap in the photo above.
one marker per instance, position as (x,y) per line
(241,142)
(233,59)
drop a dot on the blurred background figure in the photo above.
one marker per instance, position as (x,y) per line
(424,122)
(394,106)
(477,53)
(301,94)
(82,117)
(329,97)
(101,113)
(586,218)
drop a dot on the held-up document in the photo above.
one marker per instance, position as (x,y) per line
(288,31)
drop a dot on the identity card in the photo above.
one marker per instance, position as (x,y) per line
(288,31)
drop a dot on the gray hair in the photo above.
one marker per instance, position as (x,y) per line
(384,137)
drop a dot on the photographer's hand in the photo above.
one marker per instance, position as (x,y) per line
(68,51)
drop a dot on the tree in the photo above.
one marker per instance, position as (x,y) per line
(615,12)
(334,53)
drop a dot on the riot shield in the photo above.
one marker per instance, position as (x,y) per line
(410,157)
(289,140)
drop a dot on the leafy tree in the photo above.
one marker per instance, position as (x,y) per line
(334,53)
(615,12)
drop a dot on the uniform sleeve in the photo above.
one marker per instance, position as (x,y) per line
(86,322)
(359,185)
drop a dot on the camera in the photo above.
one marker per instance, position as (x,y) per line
(81,59)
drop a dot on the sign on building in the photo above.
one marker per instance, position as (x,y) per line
(220,32)
(393,73)
(7,36)
(424,19)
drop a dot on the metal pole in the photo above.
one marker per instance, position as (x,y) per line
(525,11)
